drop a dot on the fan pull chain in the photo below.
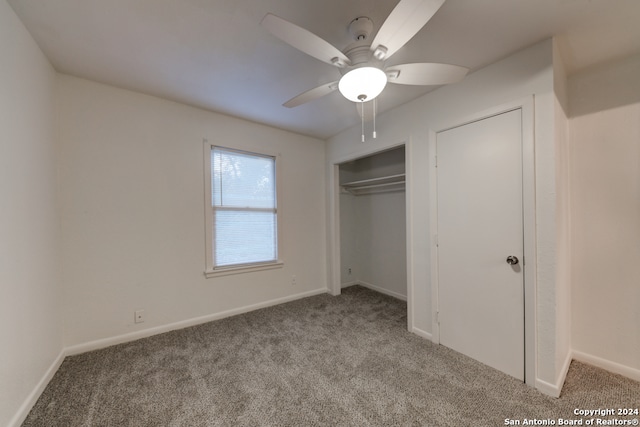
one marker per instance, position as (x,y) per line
(374,118)
(362,118)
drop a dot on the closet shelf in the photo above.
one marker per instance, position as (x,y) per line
(376,185)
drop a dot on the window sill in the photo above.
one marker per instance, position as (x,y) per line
(244,269)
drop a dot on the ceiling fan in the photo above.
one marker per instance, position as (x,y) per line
(363,63)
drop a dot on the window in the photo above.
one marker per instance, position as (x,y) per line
(242,211)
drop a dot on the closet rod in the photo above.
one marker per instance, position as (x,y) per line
(379,180)
(365,187)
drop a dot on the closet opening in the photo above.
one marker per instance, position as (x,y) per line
(372,222)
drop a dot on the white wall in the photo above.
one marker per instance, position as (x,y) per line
(381,240)
(131,173)
(350,267)
(605,192)
(373,242)
(563,218)
(30,326)
(523,74)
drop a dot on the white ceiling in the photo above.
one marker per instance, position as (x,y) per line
(214,54)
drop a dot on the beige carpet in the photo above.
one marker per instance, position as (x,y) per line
(320,361)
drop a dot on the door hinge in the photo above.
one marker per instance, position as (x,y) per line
(436,158)
(435,237)
(438,317)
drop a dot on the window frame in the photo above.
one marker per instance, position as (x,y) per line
(210,269)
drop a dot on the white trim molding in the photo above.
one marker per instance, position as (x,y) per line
(73,350)
(421,333)
(607,365)
(409,227)
(348,284)
(554,390)
(549,389)
(378,289)
(119,339)
(381,290)
(33,397)
(243,269)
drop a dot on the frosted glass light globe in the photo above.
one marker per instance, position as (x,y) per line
(362,84)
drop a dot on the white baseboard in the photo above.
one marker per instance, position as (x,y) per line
(547,388)
(607,365)
(382,290)
(119,339)
(564,371)
(554,390)
(421,333)
(33,397)
(348,284)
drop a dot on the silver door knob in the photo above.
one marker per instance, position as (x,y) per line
(512,260)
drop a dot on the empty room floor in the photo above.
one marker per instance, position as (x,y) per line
(319,361)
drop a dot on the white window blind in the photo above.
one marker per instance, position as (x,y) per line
(243,198)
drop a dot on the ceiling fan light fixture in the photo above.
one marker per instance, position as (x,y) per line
(362,84)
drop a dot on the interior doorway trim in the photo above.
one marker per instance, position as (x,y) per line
(526,105)
(334,220)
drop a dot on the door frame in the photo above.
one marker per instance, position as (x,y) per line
(335,266)
(526,105)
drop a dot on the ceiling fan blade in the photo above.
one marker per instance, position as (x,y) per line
(312,94)
(426,74)
(304,41)
(405,20)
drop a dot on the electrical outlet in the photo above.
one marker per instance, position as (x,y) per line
(349,271)
(138,316)
(293,280)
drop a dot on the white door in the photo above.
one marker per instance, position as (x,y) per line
(479,193)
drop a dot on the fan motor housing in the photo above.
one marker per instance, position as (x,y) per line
(360,55)
(360,28)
